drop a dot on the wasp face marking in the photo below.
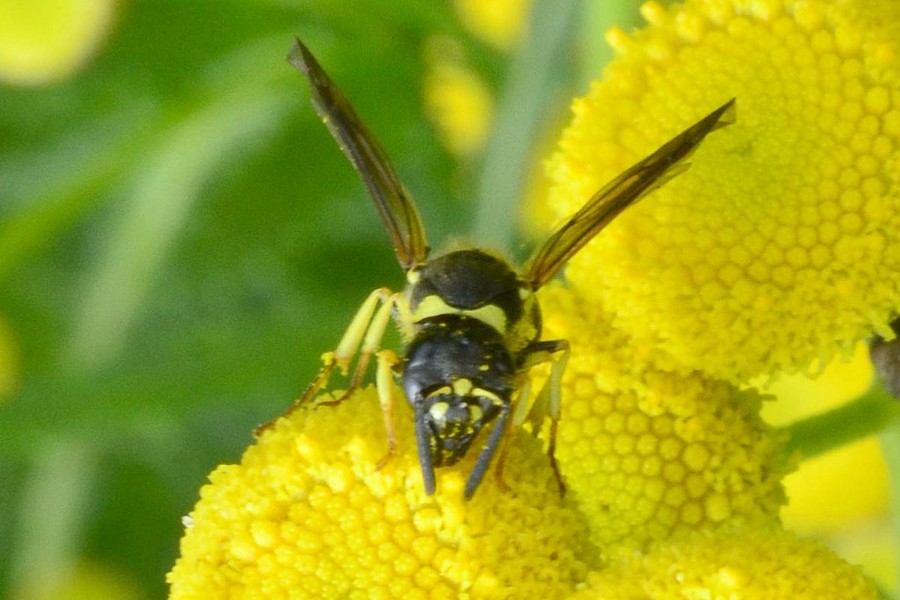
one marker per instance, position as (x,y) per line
(452,420)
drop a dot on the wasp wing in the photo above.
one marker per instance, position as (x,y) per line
(394,204)
(618,194)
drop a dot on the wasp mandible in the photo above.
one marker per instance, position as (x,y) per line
(471,322)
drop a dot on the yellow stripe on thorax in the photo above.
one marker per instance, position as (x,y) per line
(434,306)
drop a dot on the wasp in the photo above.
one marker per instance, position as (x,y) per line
(470,321)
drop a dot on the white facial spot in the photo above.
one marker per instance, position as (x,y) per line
(438,410)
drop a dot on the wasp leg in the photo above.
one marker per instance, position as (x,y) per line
(373,328)
(518,417)
(384,382)
(347,347)
(548,402)
(366,328)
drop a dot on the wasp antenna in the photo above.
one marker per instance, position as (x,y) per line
(424,446)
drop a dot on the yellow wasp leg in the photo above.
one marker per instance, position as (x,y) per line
(361,323)
(366,329)
(549,399)
(346,348)
(384,383)
(374,334)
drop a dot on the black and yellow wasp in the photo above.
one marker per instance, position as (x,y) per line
(471,322)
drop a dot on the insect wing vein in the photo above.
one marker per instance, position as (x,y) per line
(643,177)
(395,205)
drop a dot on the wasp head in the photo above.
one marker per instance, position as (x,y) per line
(458,377)
(452,416)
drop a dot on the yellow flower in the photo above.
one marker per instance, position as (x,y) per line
(307,515)
(456,98)
(779,247)
(48,40)
(646,453)
(499,22)
(751,563)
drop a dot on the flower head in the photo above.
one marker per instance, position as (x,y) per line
(778,247)
(749,562)
(308,515)
(499,22)
(648,453)
(47,41)
(457,100)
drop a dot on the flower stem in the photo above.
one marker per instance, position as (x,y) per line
(890,441)
(873,412)
(534,77)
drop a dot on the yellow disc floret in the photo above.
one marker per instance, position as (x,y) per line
(779,246)
(648,454)
(306,514)
(750,563)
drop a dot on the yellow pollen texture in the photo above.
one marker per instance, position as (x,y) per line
(779,246)
(306,514)
(648,454)
(758,563)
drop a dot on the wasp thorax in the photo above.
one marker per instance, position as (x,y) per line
(470,282)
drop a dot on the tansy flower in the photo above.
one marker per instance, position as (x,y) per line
(457,100)
(308,515)
(646,453)
(779,247)
(750,563)
(499,22)
(48,40)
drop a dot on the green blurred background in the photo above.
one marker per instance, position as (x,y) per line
(180,239)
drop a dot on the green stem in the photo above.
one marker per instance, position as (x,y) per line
(533,79)
(890,442)
(53,515)
(600,17)
(869,414)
